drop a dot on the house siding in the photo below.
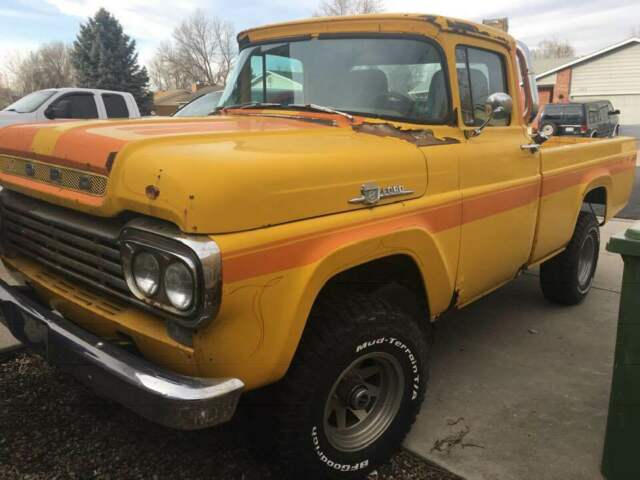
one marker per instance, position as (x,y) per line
(615,73)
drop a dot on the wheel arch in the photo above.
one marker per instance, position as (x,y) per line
(411,258)
(596,194)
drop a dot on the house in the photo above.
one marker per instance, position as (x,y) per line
(168,102)
(612,73)
(276,81)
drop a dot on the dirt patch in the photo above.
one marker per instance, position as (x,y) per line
(51,427)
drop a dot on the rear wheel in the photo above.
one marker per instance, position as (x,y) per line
(567,278)
(353,391)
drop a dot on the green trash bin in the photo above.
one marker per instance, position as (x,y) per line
(621,457)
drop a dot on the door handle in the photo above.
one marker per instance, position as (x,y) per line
(531,147)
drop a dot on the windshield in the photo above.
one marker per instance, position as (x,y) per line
(201,106)
(31,102)
(393,78)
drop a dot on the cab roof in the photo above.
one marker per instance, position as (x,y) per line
(370,23)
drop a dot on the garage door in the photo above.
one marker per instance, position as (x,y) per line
(629,106)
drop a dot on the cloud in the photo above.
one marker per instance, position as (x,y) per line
(587,24)
(142,19)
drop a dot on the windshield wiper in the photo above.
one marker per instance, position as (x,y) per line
(243,106)
(323,109)
(284,106)
(10,110)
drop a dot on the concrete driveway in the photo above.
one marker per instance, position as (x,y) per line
(632,210)
(630,130)
(519,387)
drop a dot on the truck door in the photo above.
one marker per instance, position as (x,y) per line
(499,180)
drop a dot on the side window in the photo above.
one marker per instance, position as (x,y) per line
(480,74)
(115,105)
(277,78)
(593,115)
(79,106)
(604,113)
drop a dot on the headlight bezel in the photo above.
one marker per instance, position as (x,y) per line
(200,255)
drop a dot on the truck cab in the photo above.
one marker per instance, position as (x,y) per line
(69,104)
(360,177)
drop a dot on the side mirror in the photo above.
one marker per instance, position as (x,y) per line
(60,109)
(498,105)
(614,112)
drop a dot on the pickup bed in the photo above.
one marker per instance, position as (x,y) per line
(361,176)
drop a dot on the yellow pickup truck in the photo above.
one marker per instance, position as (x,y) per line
(361,176)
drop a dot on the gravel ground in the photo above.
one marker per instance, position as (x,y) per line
(54,428)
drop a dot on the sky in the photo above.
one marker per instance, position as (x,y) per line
(587,24)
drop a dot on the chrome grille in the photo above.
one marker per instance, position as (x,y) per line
(64,177)
(83,247)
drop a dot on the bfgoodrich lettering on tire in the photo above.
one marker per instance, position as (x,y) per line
(353,390)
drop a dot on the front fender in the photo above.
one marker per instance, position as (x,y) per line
(262,319)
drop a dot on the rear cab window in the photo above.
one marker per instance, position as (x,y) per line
(115,105)
(481,73)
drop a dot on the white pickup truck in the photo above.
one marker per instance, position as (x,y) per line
(69,103)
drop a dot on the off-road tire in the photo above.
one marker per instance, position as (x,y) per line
(560,277)
(342,330)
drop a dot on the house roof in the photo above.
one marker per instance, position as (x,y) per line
(591,56)
(286,80)
(545,64)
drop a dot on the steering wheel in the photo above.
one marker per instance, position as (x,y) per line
(396,101)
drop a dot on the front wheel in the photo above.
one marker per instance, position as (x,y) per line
(354,390)
(567,278)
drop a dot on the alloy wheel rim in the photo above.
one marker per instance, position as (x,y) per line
(547,130)
(364,401)
(585,262)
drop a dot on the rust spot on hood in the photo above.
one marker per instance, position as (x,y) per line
(419,137)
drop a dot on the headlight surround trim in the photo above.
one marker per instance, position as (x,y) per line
(199,253)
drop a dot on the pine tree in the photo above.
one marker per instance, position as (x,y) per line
(104,57)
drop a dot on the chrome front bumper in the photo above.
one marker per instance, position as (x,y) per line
(170,399)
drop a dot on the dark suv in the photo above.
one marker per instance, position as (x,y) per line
(588,119)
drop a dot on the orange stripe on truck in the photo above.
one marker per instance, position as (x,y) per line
(555,182)
(305,250)
(19,138)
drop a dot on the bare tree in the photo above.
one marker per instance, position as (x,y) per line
(55,64)
(553,48)
(166,71)
(47,67)
(7,96)
(201,50)
(336,8)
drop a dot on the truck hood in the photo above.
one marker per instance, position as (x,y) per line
(11,118)
(209,175)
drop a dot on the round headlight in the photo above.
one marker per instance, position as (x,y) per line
(146,273)
(179,285)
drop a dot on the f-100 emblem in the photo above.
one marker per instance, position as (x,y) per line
(372,193)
